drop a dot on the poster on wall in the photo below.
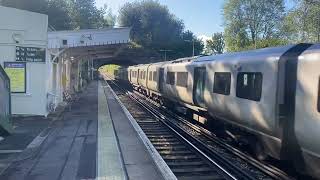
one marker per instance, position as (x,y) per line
(30,54)
(17,75)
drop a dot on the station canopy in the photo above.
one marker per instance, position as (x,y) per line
(89,43)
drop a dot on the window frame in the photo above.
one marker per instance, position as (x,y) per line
(150,76)
(253,98)
(215,86)
(173,80)
(178,82)
(154,76)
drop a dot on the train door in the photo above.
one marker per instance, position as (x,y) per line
(199,85)
(161,79)
(130,74)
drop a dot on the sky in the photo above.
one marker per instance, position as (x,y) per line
(202,17)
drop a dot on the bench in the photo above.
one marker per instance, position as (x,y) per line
(70,98)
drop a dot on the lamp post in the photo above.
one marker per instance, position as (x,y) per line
(192,45)
(165,53)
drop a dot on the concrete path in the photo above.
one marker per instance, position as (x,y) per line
(92,141)
(69,152)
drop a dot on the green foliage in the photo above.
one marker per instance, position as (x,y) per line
(154,27)
(150,22)
(87,16)
(60,14)
(252,23)
(302,24)
(39,6)
(216,44)
(67,14)
(109,69)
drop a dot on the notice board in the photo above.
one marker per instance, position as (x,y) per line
(17,75)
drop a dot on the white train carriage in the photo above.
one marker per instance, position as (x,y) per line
(133,74)
(240,88)
(121,74)
(306,106)
(272,94)
(153,79)
(142,78)
(177,82)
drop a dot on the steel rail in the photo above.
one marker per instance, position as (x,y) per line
(163,119)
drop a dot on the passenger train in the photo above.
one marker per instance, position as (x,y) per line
(271,94)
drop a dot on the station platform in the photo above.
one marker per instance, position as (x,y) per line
(95,139)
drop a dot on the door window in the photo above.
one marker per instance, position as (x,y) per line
(222,81)
(170,78)
(199,86)
(154,75)
(182,79)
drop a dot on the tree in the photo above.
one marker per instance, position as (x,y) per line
(67,14)
(248,22)
(39,6)
(58,11)
(152,24)
(154,27)
(302,23)
(216,44)
(60,14)
(87,16)
(109,18)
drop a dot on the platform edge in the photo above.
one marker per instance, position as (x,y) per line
(162,166)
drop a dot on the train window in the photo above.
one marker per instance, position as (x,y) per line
(170,78)
(154,75)
(144,75)
(249,85)
(221,84)
(150,76)
(182,79)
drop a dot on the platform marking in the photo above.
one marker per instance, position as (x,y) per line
(109,162)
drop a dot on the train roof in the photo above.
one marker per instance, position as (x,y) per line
(264,52)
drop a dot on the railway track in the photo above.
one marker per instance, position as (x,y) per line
(189,151)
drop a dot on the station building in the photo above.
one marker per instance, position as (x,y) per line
(44,65)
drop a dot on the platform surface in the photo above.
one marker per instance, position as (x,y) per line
(94,140)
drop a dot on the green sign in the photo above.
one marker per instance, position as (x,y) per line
(17,75)
(30,54)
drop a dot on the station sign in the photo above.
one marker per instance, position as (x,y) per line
(30,54)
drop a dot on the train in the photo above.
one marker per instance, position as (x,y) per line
(269,95)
